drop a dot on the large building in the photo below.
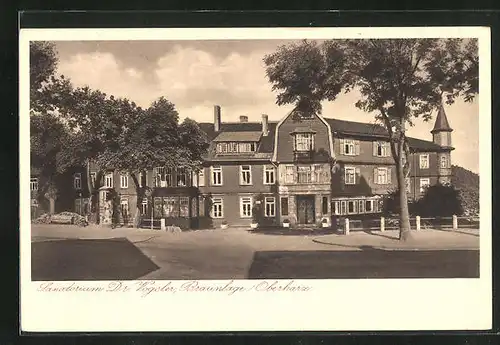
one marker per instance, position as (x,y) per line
(304,168)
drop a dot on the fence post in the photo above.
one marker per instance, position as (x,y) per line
(455,222)
(347,226)
(382,224)
(162,224)
(417,221)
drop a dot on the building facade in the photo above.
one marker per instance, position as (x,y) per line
(306,169)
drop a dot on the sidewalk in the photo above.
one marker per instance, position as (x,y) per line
(467,239)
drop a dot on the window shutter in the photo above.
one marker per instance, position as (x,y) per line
(375,175)
(375,148)
(358,176)
(356,147)
(389,175)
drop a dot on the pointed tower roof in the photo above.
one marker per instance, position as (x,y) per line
(441,124)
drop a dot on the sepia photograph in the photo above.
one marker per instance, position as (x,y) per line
(280,161)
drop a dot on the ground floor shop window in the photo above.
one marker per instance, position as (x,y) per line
(170,207)
(356,206)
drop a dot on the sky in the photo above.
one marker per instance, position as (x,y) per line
(196,75)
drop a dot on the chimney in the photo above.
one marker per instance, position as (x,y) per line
(243,118)
(265,125)
(217,120)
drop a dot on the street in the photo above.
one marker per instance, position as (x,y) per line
(70,253)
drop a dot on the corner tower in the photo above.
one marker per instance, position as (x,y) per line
(441,135)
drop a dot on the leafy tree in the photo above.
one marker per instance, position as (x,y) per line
(467,183)
(400,80)
(440,201)
(155,138)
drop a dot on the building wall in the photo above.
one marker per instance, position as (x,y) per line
(365,183)
(365,151)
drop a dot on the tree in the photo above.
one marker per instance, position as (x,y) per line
(155,138)
(440,201)
(400,80)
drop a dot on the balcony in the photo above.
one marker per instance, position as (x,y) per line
(303,156)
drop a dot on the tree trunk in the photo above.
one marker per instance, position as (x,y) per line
(404,214)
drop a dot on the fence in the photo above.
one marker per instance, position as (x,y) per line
(418,223)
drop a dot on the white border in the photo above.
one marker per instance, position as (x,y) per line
(346,305)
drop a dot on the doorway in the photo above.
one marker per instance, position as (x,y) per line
(306,209)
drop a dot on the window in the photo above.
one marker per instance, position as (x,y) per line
(382,175)
(268,174)
(369,206)
(381,149)
(123,181)
(336,209)
(217,208)
(270,206)
(198,178)
(181,177)
(245,175)
(304,174)
(34,184)
(246,147)
(108,180)
(424,183)
(444,162)
(77,181)
(289,174)
(304,142)
(324,205)
(350,175)
(245,207)
(163,177)
(424,161)
(351,206)
(343,207)
(234,147)
(144,207)
(349,147)
(408,184)
(284,206)
(93,179)
(184,206)
(217,176)
(361,206)
(170,207)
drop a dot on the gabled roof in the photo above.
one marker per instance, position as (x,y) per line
(239,136)
(351,127)
(266,142)
(441,124)
(344,127)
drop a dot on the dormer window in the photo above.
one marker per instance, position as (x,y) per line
(235,147)
(304,142)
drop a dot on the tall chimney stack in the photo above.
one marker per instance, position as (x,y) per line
(217,119)
(265,125)
(243,118)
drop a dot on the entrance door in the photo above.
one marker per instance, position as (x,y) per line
(305,209)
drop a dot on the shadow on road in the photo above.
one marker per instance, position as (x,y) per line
(294,232)
(368,262)
(88,259)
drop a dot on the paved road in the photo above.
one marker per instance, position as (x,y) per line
(237,255)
